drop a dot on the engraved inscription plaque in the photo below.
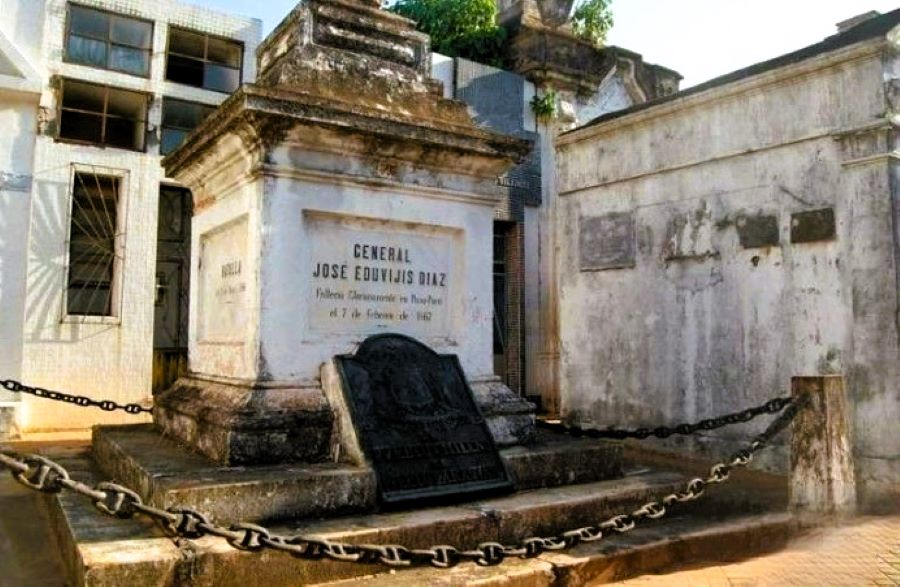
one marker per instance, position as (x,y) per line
(224,295)
(367,276)
(606,242)
(418,422)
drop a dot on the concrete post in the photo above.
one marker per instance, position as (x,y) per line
(822,481)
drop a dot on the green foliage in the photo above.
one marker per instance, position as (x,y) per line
(544,107)
(592,20)
(458,28)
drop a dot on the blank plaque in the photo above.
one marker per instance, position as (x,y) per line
(606,242)
(812,226)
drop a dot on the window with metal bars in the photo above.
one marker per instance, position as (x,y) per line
(204,61)
(96,244)
(91,113)
(98,38)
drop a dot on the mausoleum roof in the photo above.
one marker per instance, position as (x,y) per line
(866,30)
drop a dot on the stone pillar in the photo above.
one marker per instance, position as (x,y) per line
(546,363)
(822,480)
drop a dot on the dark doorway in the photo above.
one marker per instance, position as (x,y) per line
(173,262)
(501,300)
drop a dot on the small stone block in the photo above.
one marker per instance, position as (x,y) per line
(758,231)
(813,226)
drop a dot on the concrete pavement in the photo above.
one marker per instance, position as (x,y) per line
(861,551)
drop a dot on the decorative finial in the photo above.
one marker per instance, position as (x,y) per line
(555,13)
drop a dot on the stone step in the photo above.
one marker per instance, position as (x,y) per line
(166,474)
(99,550)
(652,549)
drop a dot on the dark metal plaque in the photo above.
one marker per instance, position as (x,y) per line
(816,225)
(418,422)
(606,242)
(758,231)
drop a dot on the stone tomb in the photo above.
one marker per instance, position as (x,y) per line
(339,197)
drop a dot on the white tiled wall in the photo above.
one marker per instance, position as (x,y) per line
(103,360)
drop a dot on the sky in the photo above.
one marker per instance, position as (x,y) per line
(701,39)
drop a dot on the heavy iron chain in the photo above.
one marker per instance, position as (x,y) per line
(773,406)
(42,474)
(78,400)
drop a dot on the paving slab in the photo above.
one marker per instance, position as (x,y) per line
(857,551)
(28,551)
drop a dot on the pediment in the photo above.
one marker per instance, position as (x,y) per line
(16,73)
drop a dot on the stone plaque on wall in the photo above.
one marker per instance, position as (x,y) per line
(758,231)
(367,276)
(812,226)
(224,271)
(606,242)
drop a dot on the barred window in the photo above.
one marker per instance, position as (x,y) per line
(109,41)
(204,61)
(96,244)
(102,115)
(179,118)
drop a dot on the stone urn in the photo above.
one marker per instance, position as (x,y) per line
(555,13)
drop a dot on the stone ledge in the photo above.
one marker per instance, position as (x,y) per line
(167,474)
(647,550)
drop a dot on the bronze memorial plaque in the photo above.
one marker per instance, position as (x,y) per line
(418,422)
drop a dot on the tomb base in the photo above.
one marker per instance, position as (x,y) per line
(235,423)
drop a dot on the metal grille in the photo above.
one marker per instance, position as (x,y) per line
(96,244)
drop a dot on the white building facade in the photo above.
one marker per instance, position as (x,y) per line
(121,82)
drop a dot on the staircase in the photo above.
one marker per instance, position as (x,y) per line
(743,517)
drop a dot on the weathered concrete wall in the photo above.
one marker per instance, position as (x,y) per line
(104,358)
(515,115)
(699,298)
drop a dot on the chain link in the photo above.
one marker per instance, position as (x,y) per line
(42,474)
(771,407)
(77,400)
